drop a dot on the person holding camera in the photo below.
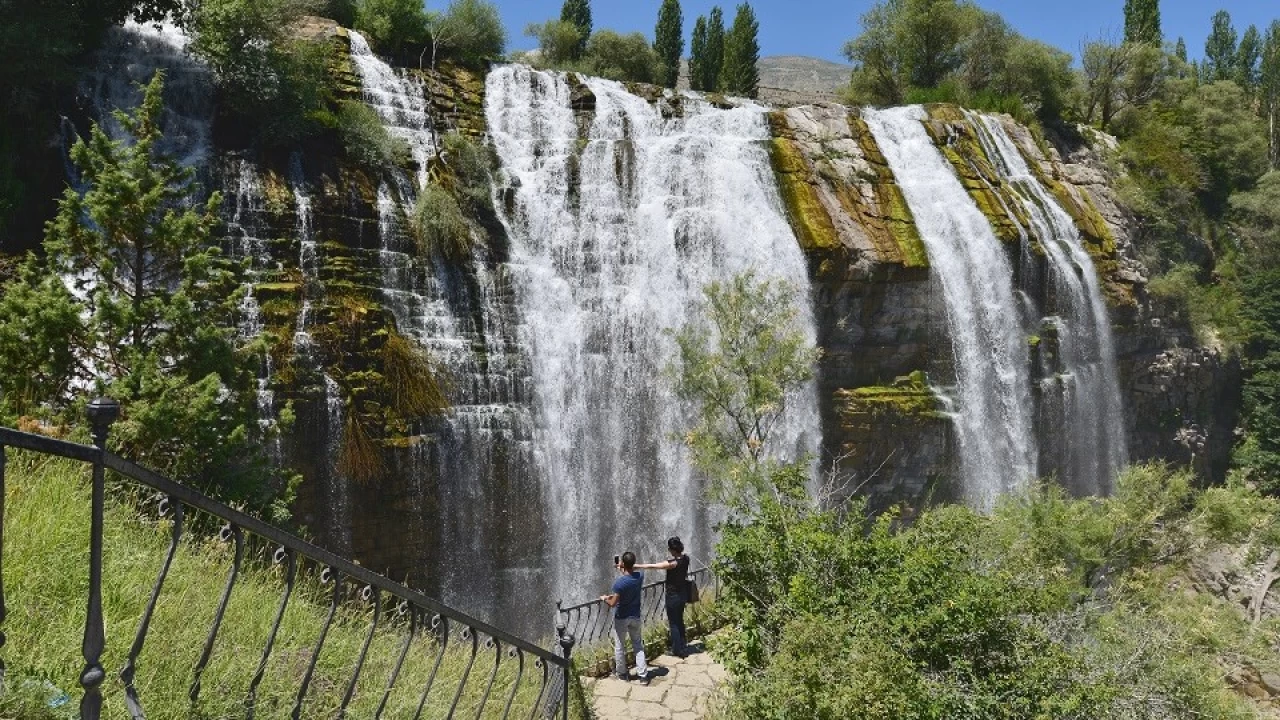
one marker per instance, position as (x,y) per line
(625,599)
(677,567)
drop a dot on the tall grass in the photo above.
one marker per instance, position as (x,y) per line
(46,574)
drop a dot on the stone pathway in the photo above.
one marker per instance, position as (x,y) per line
(678,690)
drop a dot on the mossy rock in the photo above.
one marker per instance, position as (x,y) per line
(908,399)
(808,216)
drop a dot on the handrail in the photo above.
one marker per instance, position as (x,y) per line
(588,621)
(425,614)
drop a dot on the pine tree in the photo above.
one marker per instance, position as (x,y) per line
(1180,50)
(155,310)
(698,55)
(668,41)
(578,13)
(715,50)
(739,75)
(1247,57)
(1269,89)
(1142,22)
(1220,49)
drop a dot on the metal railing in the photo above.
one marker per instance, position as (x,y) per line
(417,615)
(591,622)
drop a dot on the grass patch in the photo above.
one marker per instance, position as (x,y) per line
(46,571)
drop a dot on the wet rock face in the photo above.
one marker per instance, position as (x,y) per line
(880,316)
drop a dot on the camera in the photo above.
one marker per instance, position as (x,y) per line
(617,560)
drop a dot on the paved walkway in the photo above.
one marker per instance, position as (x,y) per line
(678,690)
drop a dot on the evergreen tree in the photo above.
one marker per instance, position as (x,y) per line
(1269,89)
(1247,57)
(151,321)
(698,55)
(1142,22)
(1220,49)
(1180,50)
(578,13)
(739,75)
(715,50)
(668,41)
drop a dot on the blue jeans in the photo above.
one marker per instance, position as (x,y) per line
(622,628)
(675,620)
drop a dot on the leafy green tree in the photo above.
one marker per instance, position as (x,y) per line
(1229,143)
(984,50)
(557,41)
(1142,22)
(907,44)
(152,316)
(1248,55)
(1180,50)
(268,80)
(392,26)
(739,75)
(668,41)
(1220,49)
(739,371)
(698,54)
(471,32)
(578,12)
(622,57)
(1269,90)
(1039,76)
(715,50)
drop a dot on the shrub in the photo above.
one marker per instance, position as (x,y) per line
(470,32)
(558,42)
(366,139)
(439,225)
(471,164)
(391,25)
(622,57)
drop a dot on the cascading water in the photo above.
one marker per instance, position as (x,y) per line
(605,265)
(992,398)
(461,314)
(130,56)
(1092,449)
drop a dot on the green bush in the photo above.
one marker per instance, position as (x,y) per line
(471,164)
(628,58)
(439,225)
(558,42)
(391,25)
(366,139)
(1050,607)
(470,32)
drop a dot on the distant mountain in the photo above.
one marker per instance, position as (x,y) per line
(794,79)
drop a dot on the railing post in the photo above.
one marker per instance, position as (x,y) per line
(102,413)
(566,645)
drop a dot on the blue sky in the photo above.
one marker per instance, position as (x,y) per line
(820,27)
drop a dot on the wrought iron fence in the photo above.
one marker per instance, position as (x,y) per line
(591,622)
(417,616)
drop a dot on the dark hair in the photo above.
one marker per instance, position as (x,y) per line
(674,544)
(628,561)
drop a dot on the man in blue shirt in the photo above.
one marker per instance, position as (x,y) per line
(625,599)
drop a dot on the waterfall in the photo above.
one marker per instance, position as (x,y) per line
(992,397)
(461,314)
(1092,449)
(129,57)
(605,265)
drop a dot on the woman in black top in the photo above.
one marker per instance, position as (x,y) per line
(677,567)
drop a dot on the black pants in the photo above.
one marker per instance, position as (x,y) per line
(675,619)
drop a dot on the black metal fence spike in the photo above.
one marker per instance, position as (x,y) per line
(324,632)
(286,556)
(234,533)
(366,593)
(127,673)
(401,610)
(468,634)
(439,626)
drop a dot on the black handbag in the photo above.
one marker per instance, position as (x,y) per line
(691,591)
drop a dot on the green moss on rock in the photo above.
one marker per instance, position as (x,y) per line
(808,216)
(908,399)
